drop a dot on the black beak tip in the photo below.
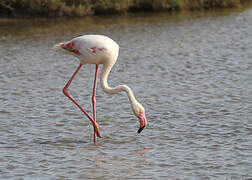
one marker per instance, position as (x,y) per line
(140,129)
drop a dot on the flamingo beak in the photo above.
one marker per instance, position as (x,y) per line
(143,122)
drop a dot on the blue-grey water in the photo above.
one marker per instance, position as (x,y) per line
(191,72)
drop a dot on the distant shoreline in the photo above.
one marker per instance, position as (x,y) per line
(81,8)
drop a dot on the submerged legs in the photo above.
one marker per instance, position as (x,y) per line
(65,91)
(93,96)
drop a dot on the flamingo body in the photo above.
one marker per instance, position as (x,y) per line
(91,49)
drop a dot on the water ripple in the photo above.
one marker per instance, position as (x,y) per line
(192,72)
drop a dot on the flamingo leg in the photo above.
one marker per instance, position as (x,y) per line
(93,96)
(66,93)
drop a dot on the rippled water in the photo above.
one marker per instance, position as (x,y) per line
(192,73)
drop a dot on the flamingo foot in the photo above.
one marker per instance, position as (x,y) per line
(96,129)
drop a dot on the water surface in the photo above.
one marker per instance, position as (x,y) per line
(191,72)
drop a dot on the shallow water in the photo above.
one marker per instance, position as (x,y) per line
(191,72)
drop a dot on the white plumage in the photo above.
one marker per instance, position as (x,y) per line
(104,47)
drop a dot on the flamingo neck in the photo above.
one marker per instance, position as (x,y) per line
(114,90)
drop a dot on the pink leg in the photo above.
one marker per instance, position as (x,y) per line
(65,91)
(93,97)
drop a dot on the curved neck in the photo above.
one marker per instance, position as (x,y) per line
(114,90)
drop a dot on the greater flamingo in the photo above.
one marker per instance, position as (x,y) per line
(99,49)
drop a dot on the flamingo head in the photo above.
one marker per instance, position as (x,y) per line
(143,121)
(140,114)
